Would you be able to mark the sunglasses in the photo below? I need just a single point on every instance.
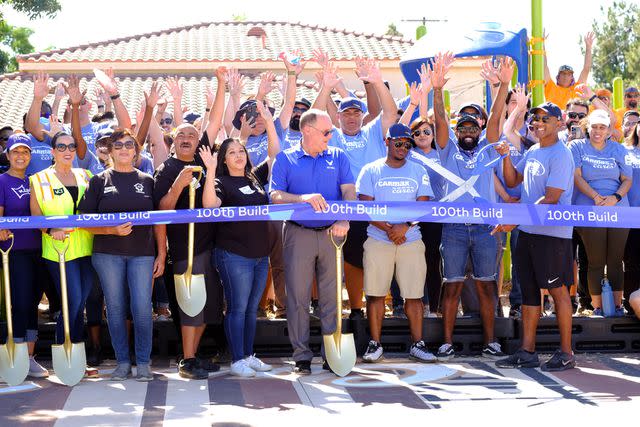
(543, 119)
(578, 116)
(425, 132)
(632, 95)
(468, 129)
(405, 144)
(300, 110)
(129, 145)
(166, 121)
(63, 147)
(325, 133)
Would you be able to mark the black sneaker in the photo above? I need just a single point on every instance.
(560, 361)
(493, 350)
(207, 364)
(515, 311)
(188, 368)
(303, 367)
(356, 314)
(222, 357)
(519, 359)
(445, 352)
(94, 356)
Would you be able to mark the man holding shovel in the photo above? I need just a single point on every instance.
(311, 173)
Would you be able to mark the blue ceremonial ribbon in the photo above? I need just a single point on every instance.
(395, 212)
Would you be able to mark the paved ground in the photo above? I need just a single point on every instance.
(602, 387)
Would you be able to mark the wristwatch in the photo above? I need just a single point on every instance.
(617, 196)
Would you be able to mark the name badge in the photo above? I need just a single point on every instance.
(247, 190)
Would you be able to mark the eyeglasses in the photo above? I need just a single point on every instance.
(632, 95)
(544, 119)
(573, 115)
(405, 144)
(300, 110)
(63, 147)
(166, 121)
(425, 132)
(325, 133)
(468, 129)
(129, 145)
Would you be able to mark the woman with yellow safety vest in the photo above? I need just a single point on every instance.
(57, 190)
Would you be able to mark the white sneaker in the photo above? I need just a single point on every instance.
(36, 370)
(241, 369)
(419, 352)
(256, 364)
(373, 353)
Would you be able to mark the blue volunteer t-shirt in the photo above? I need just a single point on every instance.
(543, 167)
(632, 159)
(425, 160)
(465, 164)
(296, 172)
(516, 156)
(363, 147)
(257, 145)
(288, 138)
(146, 164)
(387, 184)
(41, 157)
(600, 168)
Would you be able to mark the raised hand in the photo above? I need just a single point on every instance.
(267, 84)
(151, 98)
(321, 57)
(73, 90)
(521, 97)
(371, 73)
(330, 76)
(489, 72)
(236, 82)
(40, 85)
(447, 59)
(425, 77)
(264, 112)
(209, 159)
(588, 40)
(439, 73)
(54, 126)
(162, 106)
(505, 70)
(415, 94)
(221, 74)
(174, 87)
(298, 66)
(584, 91)
(60, 92)
(110, 85)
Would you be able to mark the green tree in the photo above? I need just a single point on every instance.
(393, 31)
(616, 52)
(15, 40)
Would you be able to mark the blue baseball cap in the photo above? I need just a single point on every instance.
(467, 118)
(190, 117)
(18, 140)
(550, 108)
(350, 102)
(400, 131)
(631, 89)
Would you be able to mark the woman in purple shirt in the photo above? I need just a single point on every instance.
(26, 267)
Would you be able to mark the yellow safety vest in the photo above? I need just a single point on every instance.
(54, 199)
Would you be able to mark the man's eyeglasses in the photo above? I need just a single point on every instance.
(405, 144)
(166, 121)
(543, 119)
(300, 110)
(425, 132)
(129, 145)
(468, 129)
(632, 95)
(63, 147)
(325, 133)
(573, 115)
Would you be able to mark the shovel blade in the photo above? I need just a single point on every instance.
(14, 365)
(191, 294)
(340, 351)
(69, 367)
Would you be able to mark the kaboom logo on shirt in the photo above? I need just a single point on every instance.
(469, 162)
(600, 162)
(535, 168)
(632, 160)
(398, 185)
(21, 191)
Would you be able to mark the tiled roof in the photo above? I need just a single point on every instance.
(16, 93)
(230, 41)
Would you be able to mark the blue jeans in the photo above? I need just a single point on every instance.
(80, 275)
(243, 280)
(515, 296)
(461, 241)
(117, 273)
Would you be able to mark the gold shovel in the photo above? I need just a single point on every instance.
(69, 359)
(191, 291)
(14, 357)
(339, 348)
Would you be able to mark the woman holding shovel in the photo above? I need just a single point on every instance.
(242, 248)
(26, 268)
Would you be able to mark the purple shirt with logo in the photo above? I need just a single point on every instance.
(14, 197)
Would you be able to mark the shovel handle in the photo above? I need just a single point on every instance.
(7, 289)
(337, 242)
(338, 246)
(10, 246)
(63, 287)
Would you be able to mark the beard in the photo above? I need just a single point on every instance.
(633, 104)
(468, 143)
(294, 123)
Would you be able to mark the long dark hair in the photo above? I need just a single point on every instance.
(223, 170)
(633, 139)
(422, 121)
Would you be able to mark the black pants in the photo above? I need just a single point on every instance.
(580, 254)
(632, 264)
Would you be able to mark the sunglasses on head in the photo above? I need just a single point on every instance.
(63, 147)
(400, 144)
(543, 119)
(578, 116)
(425, 132)
(129, 145)
(166, 121)
(468, 129)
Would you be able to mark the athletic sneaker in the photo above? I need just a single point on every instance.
(240, 368)
(207, 364)
(597, 312)
(419, 352)
(398, 311)
(445, 352)
(493, 350)
(188, 368)
(519, 359)
(256, 364)
(121, 373)
(36, 370)
(560, 361)
(619, 312)
(373, 353)
(143, 373)
(303, 367)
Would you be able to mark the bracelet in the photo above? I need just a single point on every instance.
(291, 73)
(496, 85)
(617, 196)
(207, 109)
(114, 97)
(592, 98)
(48, 231)
(366, 83)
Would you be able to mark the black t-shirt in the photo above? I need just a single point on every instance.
(245, 238)
(177, 235)
(116, 192)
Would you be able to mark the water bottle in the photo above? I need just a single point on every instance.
(608, 307)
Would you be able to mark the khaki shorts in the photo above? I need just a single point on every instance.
(380, 260)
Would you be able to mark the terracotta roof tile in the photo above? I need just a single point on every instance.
(229, 41)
